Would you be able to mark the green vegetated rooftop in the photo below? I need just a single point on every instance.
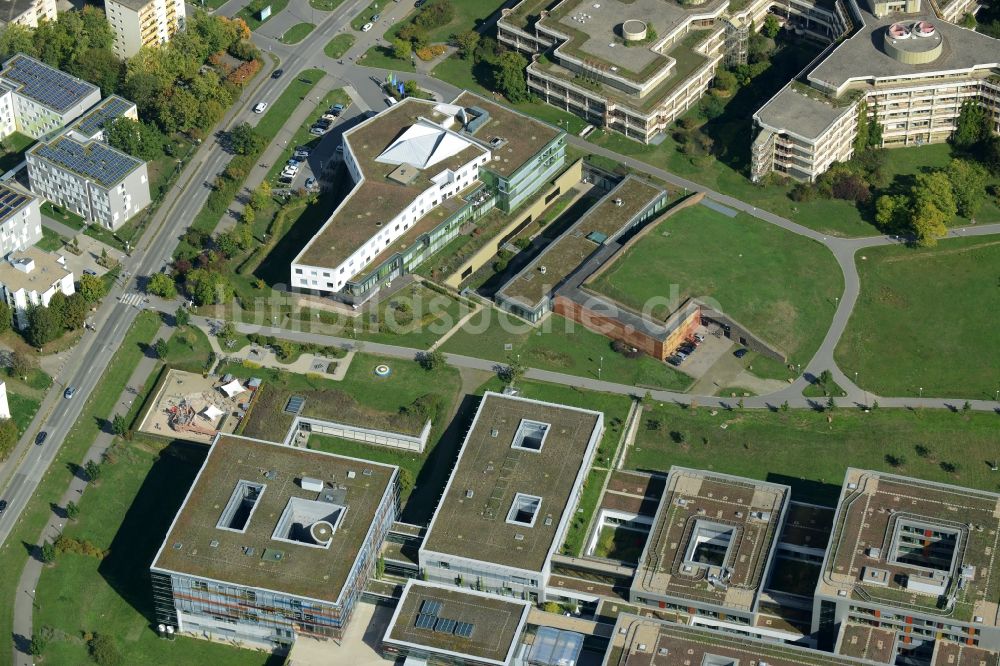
(197, 546)
(782, 286)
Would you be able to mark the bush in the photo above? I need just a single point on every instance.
(803, 192)
(104, 651)
(851, 187)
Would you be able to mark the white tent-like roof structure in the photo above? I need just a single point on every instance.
(423, 145)
(212, 412)
(232, 388)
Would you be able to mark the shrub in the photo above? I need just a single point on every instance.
(803, 192)
(104, 651)
(244, 72)
(851, 187)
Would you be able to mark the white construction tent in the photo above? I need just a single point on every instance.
(233, 388)
(212, 412)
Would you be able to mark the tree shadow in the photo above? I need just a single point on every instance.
(126, 568)
(59, 511)
(77, 470)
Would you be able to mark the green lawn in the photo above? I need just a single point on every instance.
(128, 512)
(252, 17)
(618, 543)
(366, 15)
(297, 33)
(339, 45)
(99, 407)
(560, 345)
(919, 320)
(188, 349)
(382, 57)
(50, 241)
(805, 450)
(13, 150)
(63, 215)
(478, 79)
(782, 286)
(278, 112)
(468, 15)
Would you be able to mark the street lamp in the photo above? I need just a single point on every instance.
(600, 367)
(921, 391)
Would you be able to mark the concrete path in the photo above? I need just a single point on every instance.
(59, 227)
(24, 601)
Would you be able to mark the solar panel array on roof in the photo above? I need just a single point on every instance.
(101, 115)
(430, 607)
(92, 160)
(444, 625)
(464, 629)
(10, 201)
(425, 621)
(295, 404)
(46, 85)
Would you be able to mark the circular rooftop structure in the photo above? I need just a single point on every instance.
(322, 532)
(915, 43)
(634, 30)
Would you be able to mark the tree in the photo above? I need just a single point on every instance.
(44, 324)
(510, 79)
(467, 42)
(711, 107)
(38, 643)
(862, 134)
(260, 196)
(227, 332)
(889, 210)
(401, 49)
(511, 373)
(72, 510)
(74, 312)
(16, 38)
(432, 360)
(933, 206)
(245, 140)
(162, 285)
(831, 404)
(47, 553)
(93, 470)
(895, 460)
(968, 182)
(138, 139)
(724, 80)
(973, 126)
(21, 364)
(91, 288)
(182, 317)
(208, 288)
(6, 317)
(119, 425)
(160, 348)
(928, 224)
(771, 27)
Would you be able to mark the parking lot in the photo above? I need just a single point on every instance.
(713, 347)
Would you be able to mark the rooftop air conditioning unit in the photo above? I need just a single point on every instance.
(311, 484)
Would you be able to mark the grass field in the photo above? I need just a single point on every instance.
(366, 15)
(188, 349)
(918, 322)
(253, 22)
(619, 543)
(52, 485)
(127, 513)
(559, 345)
(805, 450)
(382, 57)
(781, 286)
(468, 15)
(62, 215)
(297, 33)
(50, 241)
(279, 110)
(339, 45)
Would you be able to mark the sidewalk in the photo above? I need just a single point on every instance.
(24, 601)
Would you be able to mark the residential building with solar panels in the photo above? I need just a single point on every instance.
(20, 220)
(511, 495)
(26, 12)
(143, 23)
(92, 124)
(31, 277)
(37, 100)
(90, 178)
(437, 623)
(272, 543)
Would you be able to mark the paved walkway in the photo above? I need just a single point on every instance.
(24, 601)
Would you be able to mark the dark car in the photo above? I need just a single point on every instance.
(40, 437)
(3, 505)
(675, 360)
(741, 352)
(276, 74)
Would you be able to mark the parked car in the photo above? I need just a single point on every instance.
(69, 392)
(419, 3)
(40, 438)
(329, 116)
(700, 337)
(741, 352)
(337, 109)
(675, 360)
(310, 183)
(324, 122)
(300, 154)
(366, 27)
(285, 180)
(376, 17)
(340, 148)
(276, 74)
(259, 107)
(316, 130)
(90, 271)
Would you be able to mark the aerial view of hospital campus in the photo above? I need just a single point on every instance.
(500, 333)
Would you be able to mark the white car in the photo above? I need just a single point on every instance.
(366, 27)
(259, 107)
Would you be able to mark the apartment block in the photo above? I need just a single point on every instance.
(511, 496)
(90, 178)
(710, 549)
(27, 12)
(36, 99)
(30, 278)
(272, 542)
(138, 23)
(910, 572)
(910, 73)
(20, 220)
(421, 171)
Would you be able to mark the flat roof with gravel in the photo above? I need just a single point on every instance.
(516, 450)
(906, 543)
(806, 113)
(712, 539)
(492, 624)
(204, 542)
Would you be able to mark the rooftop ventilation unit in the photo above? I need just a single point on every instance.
(469, 493)
(351, 474)
(311, 484)
(367, 472)
(619, 202)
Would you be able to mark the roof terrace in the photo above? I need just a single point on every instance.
(712, 539)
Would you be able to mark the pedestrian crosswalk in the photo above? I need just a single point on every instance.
(132, 298)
